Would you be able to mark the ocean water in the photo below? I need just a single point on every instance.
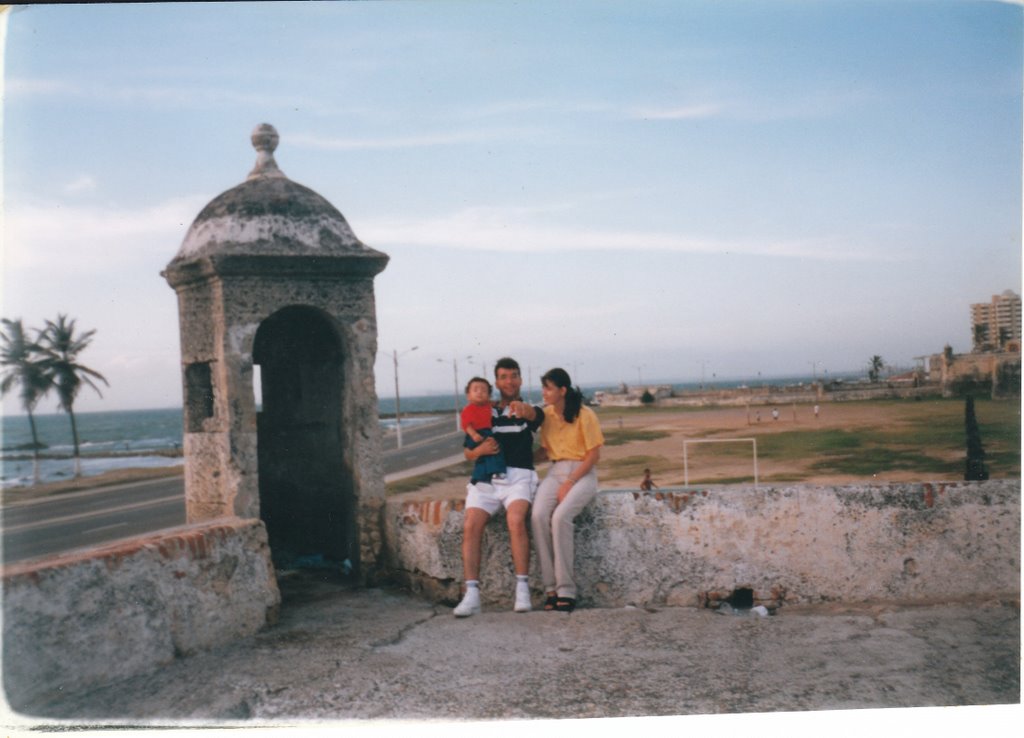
(122, 439)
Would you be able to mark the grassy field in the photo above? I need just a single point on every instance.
(894, 440)
(880, 441)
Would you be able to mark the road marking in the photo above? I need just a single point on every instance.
(432, 466)
(425, 442)
(104, 527)
(95, 514)
(60, 497)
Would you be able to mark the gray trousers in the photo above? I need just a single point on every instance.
(553, 528)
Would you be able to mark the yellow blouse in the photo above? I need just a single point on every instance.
(570, 441)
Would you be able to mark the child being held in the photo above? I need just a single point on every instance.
(476, 422)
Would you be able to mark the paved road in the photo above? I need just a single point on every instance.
(421, 445)
(80, 519)
(413, 434)
(86, 518)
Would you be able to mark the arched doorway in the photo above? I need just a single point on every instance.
(305, 479)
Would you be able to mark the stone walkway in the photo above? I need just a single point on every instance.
(340, 654)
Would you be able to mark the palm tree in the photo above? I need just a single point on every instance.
(875, 367)
(61, 348)
(22, 367)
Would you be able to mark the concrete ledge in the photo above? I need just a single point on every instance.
(119, 610)
(692, 547)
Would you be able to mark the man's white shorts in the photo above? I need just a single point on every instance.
(519, 484)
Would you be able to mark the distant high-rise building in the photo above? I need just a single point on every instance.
(995, 326)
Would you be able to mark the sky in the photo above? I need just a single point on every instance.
(638, 192)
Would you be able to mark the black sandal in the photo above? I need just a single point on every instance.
(551, 603)
(565, 604)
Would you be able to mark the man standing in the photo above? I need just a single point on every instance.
(513, 424)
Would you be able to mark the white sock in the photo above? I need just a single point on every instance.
(470, 602)
(522, 601)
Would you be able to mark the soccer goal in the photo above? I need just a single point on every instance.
(686, 457)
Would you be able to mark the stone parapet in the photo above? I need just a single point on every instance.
(697, 546)
(106, 613)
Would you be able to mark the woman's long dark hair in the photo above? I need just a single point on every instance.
(573, 395)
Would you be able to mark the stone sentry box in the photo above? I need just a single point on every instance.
(271, 281)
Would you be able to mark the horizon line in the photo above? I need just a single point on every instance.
(449, 393)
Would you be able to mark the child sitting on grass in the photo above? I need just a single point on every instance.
(476, 422)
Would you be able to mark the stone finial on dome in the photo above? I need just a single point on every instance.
(264, 140)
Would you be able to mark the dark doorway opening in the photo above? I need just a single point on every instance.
(305, 479)
(742, 598)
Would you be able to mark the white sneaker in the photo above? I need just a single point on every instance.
(522, 598)
(470, 604)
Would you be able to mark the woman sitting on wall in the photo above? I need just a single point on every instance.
(571, 438)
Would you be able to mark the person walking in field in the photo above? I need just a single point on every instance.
(571, 439)
(647, 482)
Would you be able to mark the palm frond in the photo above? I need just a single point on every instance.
(22, 364)
(60, 347)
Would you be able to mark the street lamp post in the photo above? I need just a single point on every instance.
(398, 404)
(455, 376)
(529, 382)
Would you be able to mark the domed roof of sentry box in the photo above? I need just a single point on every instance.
(270, 215)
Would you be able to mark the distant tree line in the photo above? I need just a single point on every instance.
(44, 361)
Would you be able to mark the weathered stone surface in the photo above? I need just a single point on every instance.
(907, 542)
(207, 493)
(111, 612)
(342, 654)
(270, 277)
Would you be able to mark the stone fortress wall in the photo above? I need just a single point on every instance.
(96, 615)
(693, 547)
(124, 609)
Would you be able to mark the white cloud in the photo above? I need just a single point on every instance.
(510, 230)
(81, 184)
(514, 107)
(76, 238)
(22, 86)
(453, 138)
(184, 96)
(815, 105)
(686, 112)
